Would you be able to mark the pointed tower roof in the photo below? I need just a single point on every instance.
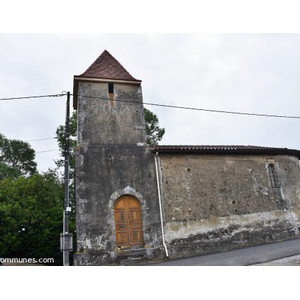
(107, 67)
(104, 69)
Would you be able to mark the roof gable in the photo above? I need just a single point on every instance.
(107, 67)
(104, 69)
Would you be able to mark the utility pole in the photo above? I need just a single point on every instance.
(66, 239)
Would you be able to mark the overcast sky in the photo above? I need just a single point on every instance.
(255, 73)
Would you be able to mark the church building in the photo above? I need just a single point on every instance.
(138, 203)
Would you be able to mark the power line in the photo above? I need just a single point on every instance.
(224, 111)
(195, 109)
(161, 105)
(33, 97)
(41, 139)
(48, 151)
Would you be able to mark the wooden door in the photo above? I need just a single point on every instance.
(128, 223)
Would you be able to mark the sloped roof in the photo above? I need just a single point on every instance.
(107, 67)
(224, 150)
(104, 68)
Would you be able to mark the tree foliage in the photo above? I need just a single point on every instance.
(31, 205)
(31, 210)
(16, 158)
(153, 132)
(60, 133)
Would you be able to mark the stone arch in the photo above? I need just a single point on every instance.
(126, 191)
(123, 192)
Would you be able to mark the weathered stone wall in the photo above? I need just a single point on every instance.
(218, 202)
(112, 160)
(102, 120)
(103, 175)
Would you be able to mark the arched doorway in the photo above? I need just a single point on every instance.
(128, 222)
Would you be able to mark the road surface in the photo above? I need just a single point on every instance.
(255, 255)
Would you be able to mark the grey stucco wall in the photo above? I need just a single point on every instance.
(104, 174)
(104, 121)
(219, 202)
(112, 160)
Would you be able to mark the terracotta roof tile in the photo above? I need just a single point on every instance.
(107, 67)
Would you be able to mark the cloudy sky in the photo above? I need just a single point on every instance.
(237, 57)
(232, 67)
(253, 73)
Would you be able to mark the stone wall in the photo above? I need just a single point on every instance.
(219, 202)
(112, 160)
(102, 120)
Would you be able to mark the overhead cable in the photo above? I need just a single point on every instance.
(48, 151)
(161, 105)
(33, 97)
(196, 109)
(41, 139)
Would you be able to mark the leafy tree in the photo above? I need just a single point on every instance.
(31, 210)
(16, 158)
(60, 133)
(153, 132)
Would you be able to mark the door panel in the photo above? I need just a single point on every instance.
(128, 223)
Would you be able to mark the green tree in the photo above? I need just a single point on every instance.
(16, 158)
(60, 133)
(31, 210)
(153, 132)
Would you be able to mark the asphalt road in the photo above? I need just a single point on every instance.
(240, 257)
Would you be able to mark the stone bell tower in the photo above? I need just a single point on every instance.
(116, 194)
(110, 102)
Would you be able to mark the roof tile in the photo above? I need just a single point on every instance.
(107, 67)
(224, 150)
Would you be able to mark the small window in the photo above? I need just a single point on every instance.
(110, 88)
(273, 178)
(111, 94)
